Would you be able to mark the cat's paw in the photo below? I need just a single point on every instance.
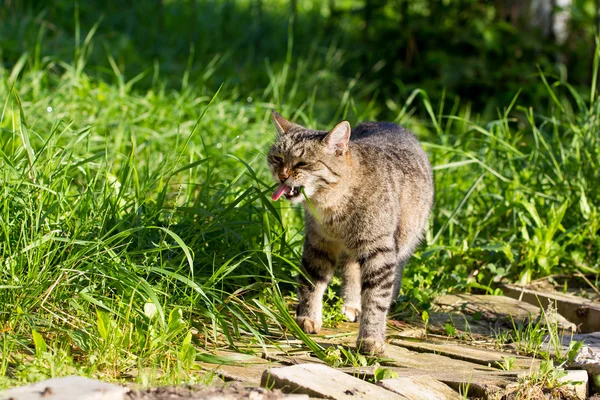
(351, 313)
(370, 346)
(309, 325)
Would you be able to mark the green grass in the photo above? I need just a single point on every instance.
(137, 234)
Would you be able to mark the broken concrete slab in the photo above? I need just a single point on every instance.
(497, 308)
(475, 355)
(420, 388)
(478, 384)
(464, 325)
(321, 381)
(470, 378)
(67, 388)
(401, 357)
(368, 373)
(584, 313)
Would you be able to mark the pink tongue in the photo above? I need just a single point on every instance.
(281, 189)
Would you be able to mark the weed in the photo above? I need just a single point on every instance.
(507, 363)
(529, 337)
(341, 356)
(546, 382)
(425, 319)
(463, 389)
(332, 305)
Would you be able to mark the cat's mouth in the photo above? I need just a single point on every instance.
(290, 192)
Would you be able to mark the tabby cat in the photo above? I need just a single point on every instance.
(369, 199)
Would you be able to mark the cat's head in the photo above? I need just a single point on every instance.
(307, 160)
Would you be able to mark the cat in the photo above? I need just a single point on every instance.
(369, 195)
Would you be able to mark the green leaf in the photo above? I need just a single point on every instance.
(187, 353)
(384, 373)
(103, 324)
(176, 323)
(39, 343)
(150, 310)
(450, 329)
(181, 243)
(225, 360)
(574, 348)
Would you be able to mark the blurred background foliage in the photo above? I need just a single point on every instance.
(481, 52)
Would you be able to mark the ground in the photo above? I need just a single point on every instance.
(230, 391)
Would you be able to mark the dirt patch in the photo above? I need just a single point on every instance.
(230, 391)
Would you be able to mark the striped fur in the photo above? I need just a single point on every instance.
(372, 192)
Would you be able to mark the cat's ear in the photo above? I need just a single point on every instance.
(337, 139)
(281, 124)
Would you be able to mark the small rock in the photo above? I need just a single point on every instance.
(578, 382)
(588, 357)
(589, 360)
(67, 388)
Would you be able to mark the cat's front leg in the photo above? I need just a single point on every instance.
(378, 271)
(350, 270)
(318, 263)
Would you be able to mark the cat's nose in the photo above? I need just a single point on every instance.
(284, 174)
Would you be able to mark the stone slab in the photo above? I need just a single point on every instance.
(465, 325)
(321, 381)
(402, 329)
(475, 355)
(498, 308)
(582, 312)
(477, 386)
(401, 357)
(420, 388)
(67, 388)
(485, 385)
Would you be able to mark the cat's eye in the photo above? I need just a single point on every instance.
(277, 159)
(300, 164)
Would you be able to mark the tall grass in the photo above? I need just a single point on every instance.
(137, 234)
(128, 229)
